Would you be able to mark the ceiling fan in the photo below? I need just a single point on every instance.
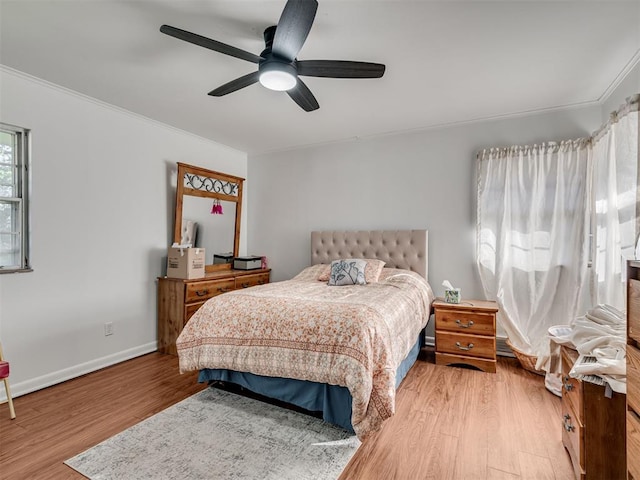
(278, 67)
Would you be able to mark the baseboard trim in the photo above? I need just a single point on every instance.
(53, 378)
(502, 349)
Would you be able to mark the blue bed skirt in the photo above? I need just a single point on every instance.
(333, 401)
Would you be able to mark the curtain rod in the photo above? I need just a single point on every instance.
(545, 146)
(632, 105)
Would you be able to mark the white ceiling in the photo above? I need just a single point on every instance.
(447, 61)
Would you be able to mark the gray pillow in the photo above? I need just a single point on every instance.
(348, 271)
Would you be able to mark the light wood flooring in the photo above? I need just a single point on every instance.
(450, 423)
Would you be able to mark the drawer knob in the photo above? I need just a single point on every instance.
(462, 325)
(468, 347)
(245, 285)
(223, 290)
(567, 423)
(567, 385)
(202, 293)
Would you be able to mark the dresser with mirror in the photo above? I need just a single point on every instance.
(197, 191)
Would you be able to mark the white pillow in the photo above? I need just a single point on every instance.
(371, 272)
(348, 271)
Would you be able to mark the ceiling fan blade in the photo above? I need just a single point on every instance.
(236, 84)
(210, 44)
(303, 97)
(293, 27)
(340, 69)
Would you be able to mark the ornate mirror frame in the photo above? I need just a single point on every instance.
(201, 182)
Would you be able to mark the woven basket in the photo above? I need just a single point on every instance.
(528, 362)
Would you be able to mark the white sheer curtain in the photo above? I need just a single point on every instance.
(532, 245)
(538, 206)
(615, 179)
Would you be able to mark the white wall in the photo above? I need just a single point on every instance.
(417, 180)
(102, 218)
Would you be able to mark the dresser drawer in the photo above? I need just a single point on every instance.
(633, 377)
(463, 344)
(571, 394)
(571, 387)
(190, 309)
(633, 444)
(200, 291)
(246, 281)
(466, 322)
(573, 438)
(633, 309)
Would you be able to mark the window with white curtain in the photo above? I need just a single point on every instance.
(14, 199)
(532, 226)
(548, 212)
(614, 204)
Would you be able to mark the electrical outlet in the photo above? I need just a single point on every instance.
(108, 328)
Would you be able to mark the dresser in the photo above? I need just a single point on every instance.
(179, 299)
(466, 333)
(633, 369)
(593, 425)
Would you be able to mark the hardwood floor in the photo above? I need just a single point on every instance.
(59, 422)
(450, 423)
(457, 423)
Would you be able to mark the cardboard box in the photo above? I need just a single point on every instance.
(247, 263)
(185, 263)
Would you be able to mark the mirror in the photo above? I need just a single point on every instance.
(197, 191)
(215, 233)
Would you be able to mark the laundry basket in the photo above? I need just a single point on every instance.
(528, 362)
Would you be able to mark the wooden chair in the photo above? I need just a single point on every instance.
(4, 375)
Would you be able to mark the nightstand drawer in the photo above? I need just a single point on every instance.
(469, 345)
(199, 291)
(246, 281)
(466, 322)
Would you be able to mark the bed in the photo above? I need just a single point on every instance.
(339, 350)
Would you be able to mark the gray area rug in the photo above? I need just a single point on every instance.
(216, 434)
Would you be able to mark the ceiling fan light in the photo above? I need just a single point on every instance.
(278, 80)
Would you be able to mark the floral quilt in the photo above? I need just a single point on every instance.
(355, 336)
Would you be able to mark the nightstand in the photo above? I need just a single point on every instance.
(466, 333)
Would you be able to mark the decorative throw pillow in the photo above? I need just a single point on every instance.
(371, 272)
(347, 272)
(324, 273)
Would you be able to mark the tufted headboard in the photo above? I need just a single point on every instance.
(405, 249)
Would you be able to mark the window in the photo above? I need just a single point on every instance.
(14, 199)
